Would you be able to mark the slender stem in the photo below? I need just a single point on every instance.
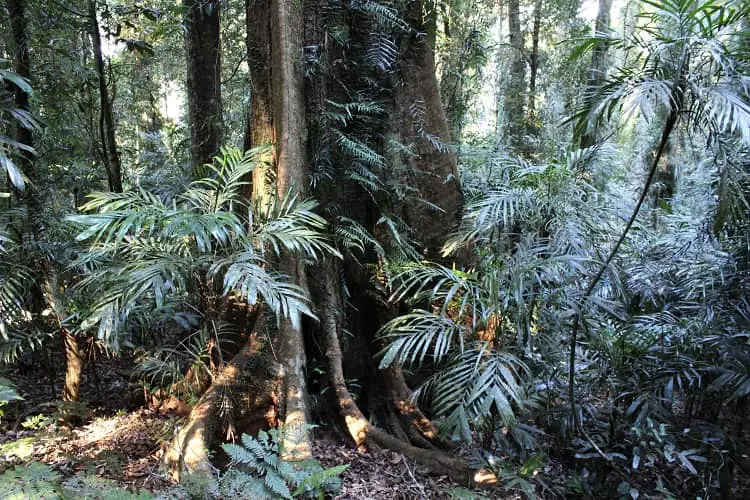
(677, 99)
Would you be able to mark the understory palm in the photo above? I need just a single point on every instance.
(171, 262)
(488, 333)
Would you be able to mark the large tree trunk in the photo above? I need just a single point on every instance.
(598, 69)
(248, 377)
(291, 134)
(203, 53)
(260, 129)
(284, 105)
(106, 118)
(358, 426)
(421, 123)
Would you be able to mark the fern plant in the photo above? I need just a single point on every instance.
(35, 480)
(257, 470)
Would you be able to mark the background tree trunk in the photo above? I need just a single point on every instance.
(516, 91)
(203, 52)
(598, 69)
(422, 124)
(17, 14)
(534, 60)
(106, 118)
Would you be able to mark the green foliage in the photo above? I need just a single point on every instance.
(35, 480)
(90, 487)
(165, 368)
(38, 480)
(487, 329)
(695, 46)
(36, 422)
(459, 493)
(72, 412)
(9, 117)
(258, 471)
(8, 393)
(19, 449)
(661, 363)
(525, 480)
(148, 253)
(15, 280)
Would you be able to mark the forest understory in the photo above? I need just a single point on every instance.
(113, 435)
(375, 249)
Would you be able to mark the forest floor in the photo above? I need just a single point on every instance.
(116, 437)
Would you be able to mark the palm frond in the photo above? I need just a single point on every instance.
(418, 336)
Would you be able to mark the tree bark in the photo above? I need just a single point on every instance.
(17, 14)
(260, 128)
(421, 123)
(106, 118)
(248, 375)
(30, 195)
(534, 59)
(291, 135)
(516, 91)
(74, 360)
(74, 357)
(73, 366)
(358, 426)
(203, 54)
(597, 70)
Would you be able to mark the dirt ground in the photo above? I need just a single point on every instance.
(114, 436)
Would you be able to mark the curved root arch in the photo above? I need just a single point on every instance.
(254, 378)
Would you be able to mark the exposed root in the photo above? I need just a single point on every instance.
(360, 429)
(420, 429)
(258, 377)
(296, 444)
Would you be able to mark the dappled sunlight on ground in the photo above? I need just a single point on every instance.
(126, 447)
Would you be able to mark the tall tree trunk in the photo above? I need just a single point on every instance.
(73, 367)
(74, 357)
(48, 291)
(421, 122)
(246, 378)
(260, 129)
(598, 69)
(106, 118)
(290, 103)
(203, 53)
(534, 59)
(29, 196)
(516, 91)
(290, 133)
